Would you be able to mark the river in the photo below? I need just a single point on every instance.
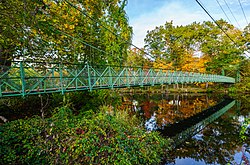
(205, 129)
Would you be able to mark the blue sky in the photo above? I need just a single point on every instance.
(145, 15)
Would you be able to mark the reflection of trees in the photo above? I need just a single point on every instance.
(169, 108)
(245, 103)
(173, 111)
(165, 113)
(220, 141)
(148, 108)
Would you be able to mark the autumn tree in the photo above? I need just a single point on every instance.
(16, 18)
(223, 48)
(172, 44)
(64, 31)
(218, 48)
(137, 58)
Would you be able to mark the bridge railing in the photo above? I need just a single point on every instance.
(25, 78)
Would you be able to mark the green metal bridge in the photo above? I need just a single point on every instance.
(27, 78)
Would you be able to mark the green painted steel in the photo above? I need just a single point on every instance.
(26, 78)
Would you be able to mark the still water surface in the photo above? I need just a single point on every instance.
(205, 128)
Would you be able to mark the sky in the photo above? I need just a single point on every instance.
(145, 15)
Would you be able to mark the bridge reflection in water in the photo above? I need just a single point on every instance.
(204, 129)
(187, 128)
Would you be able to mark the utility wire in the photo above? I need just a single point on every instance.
(215, 21)
(203, 5)
(243, 11)
(232, 13)
(96, 21)
(224, 11)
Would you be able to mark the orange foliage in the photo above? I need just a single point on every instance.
(147, 107)
(195, 64)
(161, 64)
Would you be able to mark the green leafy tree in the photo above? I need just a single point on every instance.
(137, 58)
(224, 52)
(178, 44)
(64, 31)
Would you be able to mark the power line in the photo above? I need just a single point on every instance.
(232, 13)
(97, 21)
(243, 11)
(223, 11)
(215, 21)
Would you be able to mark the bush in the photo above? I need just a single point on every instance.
(92, 138)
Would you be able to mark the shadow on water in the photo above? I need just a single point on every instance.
(205, 129)
(186, 128)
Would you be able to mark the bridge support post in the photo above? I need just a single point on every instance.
(110, 78)
(140, 79)
(127, 77)
(89, 77)
(61, 78)
(238, 76)
(76, 78)
(152, 75)
(223, 72)
(22, 74)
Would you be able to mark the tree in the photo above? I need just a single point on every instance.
(223, 51)
(15, 19)
(178, 45)
(137, 58)
(64, 31)
(173, 44)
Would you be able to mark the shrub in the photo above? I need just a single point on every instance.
(90, 138)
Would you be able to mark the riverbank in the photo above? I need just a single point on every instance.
(173, 88)
(106, 137)
(164, 89)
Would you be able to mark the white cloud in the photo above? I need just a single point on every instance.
(175, 11)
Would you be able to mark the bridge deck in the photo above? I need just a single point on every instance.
(31, 78)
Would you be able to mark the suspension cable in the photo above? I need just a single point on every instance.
(215, 21)
(97, 21)
(223, 11)
(232, 13)
(243, 12)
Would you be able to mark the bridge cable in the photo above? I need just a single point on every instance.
(223, 11)
(232, 13)
(96, 21)
(215, 21)
(82, 41)
(243, 12)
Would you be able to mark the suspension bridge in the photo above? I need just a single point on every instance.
(27, 78)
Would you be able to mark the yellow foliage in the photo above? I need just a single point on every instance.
(159, 63)
(195, 64)
(66, 26)
(63, 15)
(71, 27)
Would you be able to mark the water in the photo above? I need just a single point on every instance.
(201, 133)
